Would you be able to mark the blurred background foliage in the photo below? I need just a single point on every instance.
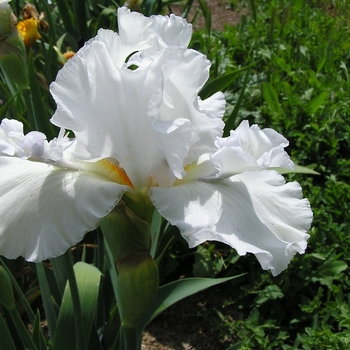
(284, 66)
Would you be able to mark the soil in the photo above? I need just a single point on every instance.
(192, 323)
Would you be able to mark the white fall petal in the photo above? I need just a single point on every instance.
(45, 210)
(253, 212)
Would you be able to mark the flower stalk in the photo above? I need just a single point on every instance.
(128, 237)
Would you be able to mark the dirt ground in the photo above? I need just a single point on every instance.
(188, 324)
(222, 13)
(185, 325)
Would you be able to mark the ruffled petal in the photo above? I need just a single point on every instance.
(134, 29)
(45, 210)
(206, 116)
(253, 212)
(171, 30)
(152, 33)
(118, 49)
(33, 144)
(250, 148)
(174, 140)
(167, 122)
(107, 109)
(177, 107)
(11, 131)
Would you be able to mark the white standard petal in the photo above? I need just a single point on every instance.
(188, 126)
(107, 109)
(172, 30)
(153, 33)
(46, 210)
(134, 29)
(183, 86)
(118, 49)
(254, 212)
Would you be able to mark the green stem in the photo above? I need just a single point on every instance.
(131, 338)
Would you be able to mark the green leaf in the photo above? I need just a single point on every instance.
(332, 268)
(221, 83)
(106, 13)
(316, 103)
(175, 291)
(298, 169)
(20, 295)
(36, 331)
(4, 109)
(111, 269)
(88, 281)
(237, 346)
(231, 120)
(23, 333)
(60, 273)
(149, 6)
(46, 297)
(7, 298)
(271, 98)
(5, 336)
(80, 18)
(271, 292)
(207, 17)
(22, 330)
(156, 224)
(66, 17)
(206, 263)
(42, 118)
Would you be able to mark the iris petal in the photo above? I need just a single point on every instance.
(250, 148)
(110, 118)
(45, 210)
(253, 212)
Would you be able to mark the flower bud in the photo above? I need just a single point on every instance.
(122, 229)
(7, 19)
(12, 50)
(137, 285)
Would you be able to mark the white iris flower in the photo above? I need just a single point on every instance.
(141, 131)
